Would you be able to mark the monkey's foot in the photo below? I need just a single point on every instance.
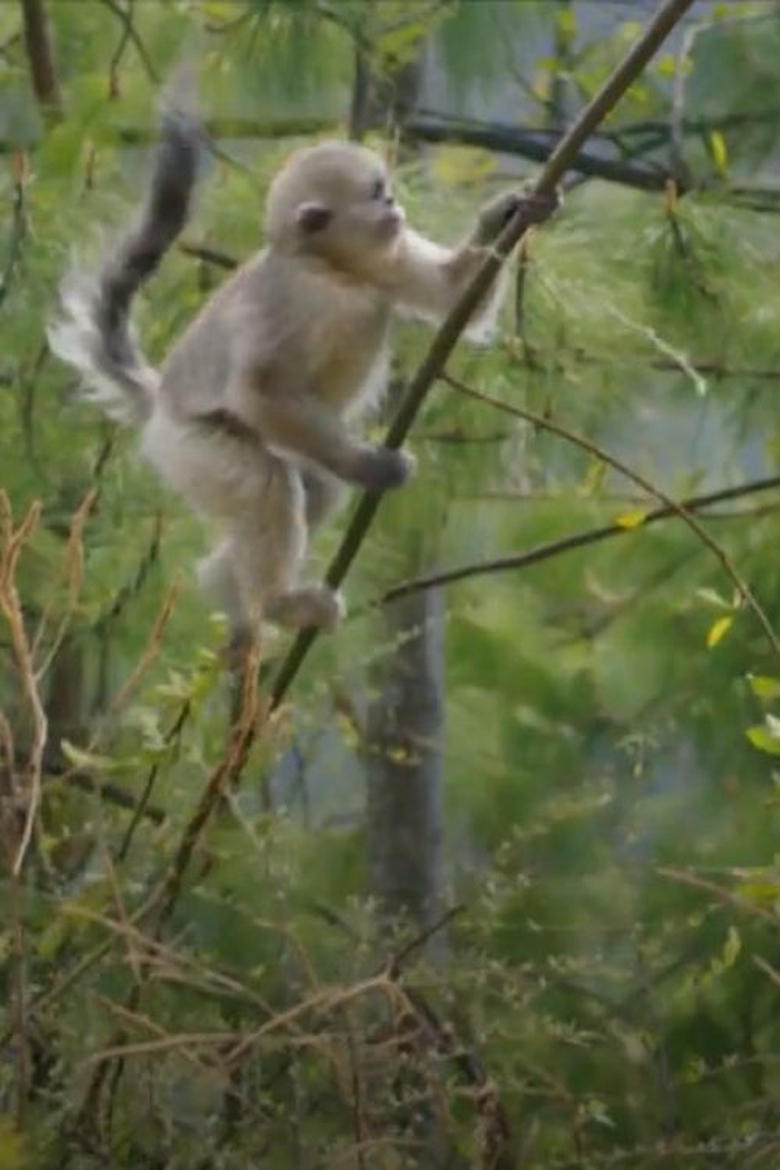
(380, 468)
(310, 605)
(234, 654)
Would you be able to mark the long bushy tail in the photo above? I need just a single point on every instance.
(94, 332)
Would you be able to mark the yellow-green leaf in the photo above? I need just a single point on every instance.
(763, 686)
(632, 519)
(772, 724)
(400, 43)
(88, 761)
(666, 66)
(463, 165)
(630, 30)
(764, 892)
(718, 151)
(762, 738)
(718, 630)
(732, 947)
(712, 597)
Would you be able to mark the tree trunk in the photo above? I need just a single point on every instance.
(404, 764)
(37, 40)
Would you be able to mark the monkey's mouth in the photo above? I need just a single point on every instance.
(392, 221)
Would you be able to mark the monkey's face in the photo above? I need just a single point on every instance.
(340, 200)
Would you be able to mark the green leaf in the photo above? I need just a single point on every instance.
(732, 947)
(712, 597)
(462, 165)
(666, 66)
(630, 30)
(566, 20)
(400, 44)
(763, 739)
(761, 892)
(764, 686)
(87, 761)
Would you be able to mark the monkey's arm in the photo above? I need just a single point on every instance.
(427, 279)
(296, 423)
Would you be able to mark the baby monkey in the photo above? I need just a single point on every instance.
(249, 417)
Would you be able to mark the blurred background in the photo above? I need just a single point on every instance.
(497, 885)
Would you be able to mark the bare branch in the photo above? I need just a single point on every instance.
(536, 145)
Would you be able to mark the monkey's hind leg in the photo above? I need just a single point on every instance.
(218, 581)
(323, 494)
(266, 551)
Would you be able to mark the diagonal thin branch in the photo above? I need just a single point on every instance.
(667, 16)
(553, 548)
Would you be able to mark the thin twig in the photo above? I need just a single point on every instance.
(126, 19)
(143, 807)
(73, 571)
(132, 588)
(242, 735)
(113, 794)
(679, 509)
(725, 897)
(113, 65)
(150, 651)
(209, 255)
(397, 961)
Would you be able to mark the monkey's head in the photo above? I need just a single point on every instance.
(334, 200)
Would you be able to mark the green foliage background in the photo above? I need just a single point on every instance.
(611, 828)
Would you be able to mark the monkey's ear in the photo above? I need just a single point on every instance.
(312, 217)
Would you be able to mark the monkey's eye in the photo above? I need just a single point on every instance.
(378, 189)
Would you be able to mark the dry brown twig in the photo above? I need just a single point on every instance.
(150, 651)
(110, 1062)
(326, 1001)
(12, 541)
(252, 714)
(73, 572)
(144, 1023)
